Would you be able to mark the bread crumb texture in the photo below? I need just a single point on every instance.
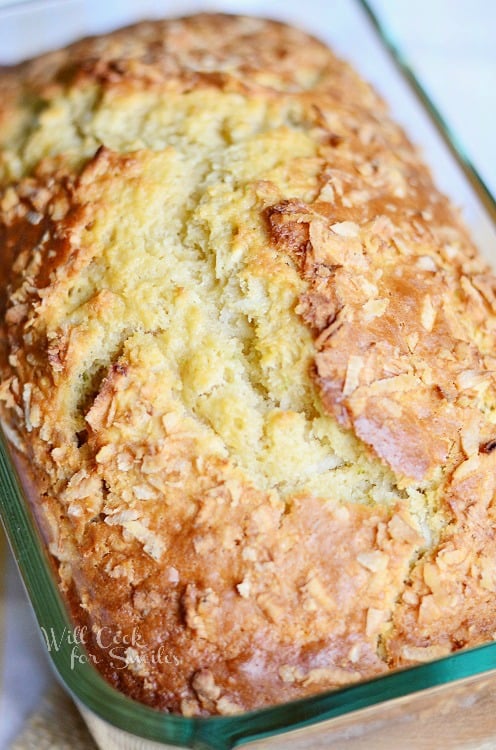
(248, 351)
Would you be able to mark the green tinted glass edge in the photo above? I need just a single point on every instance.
(88, 687)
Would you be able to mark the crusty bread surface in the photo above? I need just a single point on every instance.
(248, 352)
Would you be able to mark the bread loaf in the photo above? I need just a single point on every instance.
(248, 353)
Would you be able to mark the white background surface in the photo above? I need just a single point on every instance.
(452, 45)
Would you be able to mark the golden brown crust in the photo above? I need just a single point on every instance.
(212, 48)
(393, 351)
(248, 352)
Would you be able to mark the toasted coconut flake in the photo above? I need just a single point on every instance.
(427, 314)
(144, 492)
(373, 561)
(470, 437)
(204, 685)
(470, 466)
(26, 397)
(244, 588)
(402, 531)
(105, 453)
(410, 597)
(424, 653)
(426, 263)
(470, 379)
(375, 620)
(383, 226)
(228, 707)
(173, 575)
(316, 589)
(330, 676)
(355, 366)
(398, 383)
(125, 461)
(374, 308)
(152, 545)
(354, 653)
(346, 229)
(327, 193)
(290, 674)
(121, 517)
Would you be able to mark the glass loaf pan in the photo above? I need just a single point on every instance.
(450, 702)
